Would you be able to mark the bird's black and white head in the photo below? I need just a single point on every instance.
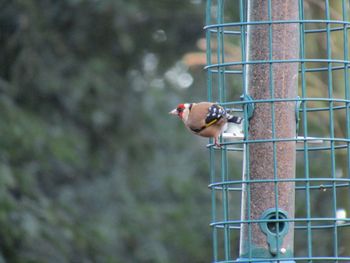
(182, 110)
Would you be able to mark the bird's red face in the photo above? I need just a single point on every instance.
(178, 111)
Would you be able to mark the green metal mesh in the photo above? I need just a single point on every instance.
(320, 224)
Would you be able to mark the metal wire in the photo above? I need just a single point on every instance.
(318, 236)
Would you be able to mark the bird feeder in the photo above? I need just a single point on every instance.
(280, 187)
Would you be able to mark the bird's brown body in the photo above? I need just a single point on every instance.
(206, 119)
(196, 120)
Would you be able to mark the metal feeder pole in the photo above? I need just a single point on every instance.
(270, 160)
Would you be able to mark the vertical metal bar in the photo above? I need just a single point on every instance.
(221, 86)
(273, 118)
(245, 207)
(262, 159)
(305, 130)
(208, 54)
(211, 150)
(220, 49)
(331, 128)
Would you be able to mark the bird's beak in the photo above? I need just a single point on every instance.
(173, 112)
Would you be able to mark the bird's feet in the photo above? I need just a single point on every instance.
(217, 143)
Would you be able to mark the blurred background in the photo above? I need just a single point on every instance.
(92, 168)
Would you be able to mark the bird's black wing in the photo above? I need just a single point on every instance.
(215, 113)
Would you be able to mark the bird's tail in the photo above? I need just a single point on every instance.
(234, 119)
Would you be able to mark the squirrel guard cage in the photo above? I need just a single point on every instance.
(280, 190)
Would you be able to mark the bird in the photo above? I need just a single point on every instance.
(206, 119)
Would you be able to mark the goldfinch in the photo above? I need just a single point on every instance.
(205, 119)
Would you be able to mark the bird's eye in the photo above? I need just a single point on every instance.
(179, 109)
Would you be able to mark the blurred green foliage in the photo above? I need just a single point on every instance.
(92, 168)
